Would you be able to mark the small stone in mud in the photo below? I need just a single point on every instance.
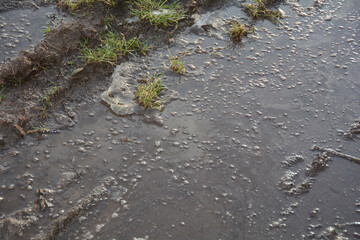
(192, 67)
(114, 215)
(81, 149)
(79, 141)
(35, 160)
(157, 143)
(99, 227)
(174, 131)
(314, 212)
(328, 18)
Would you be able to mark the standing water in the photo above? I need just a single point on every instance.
(228, 158)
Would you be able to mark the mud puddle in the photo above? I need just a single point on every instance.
(227, 151)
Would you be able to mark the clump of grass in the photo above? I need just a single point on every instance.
(237, 31)
(2, 95)
(74, 5)
(112, 46)
(259, 10)
(158, 13)
(147, 94)
(176, 64)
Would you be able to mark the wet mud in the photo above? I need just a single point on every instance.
(231, 157)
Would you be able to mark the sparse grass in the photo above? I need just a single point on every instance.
(41, 129)
(43, 111)
(75, 5)
(45, 68)
(112, 46)
(259, 10)
(17, 81)
(147, 94)
(176, 64)
(46, 99)
(237, 31)
(2, 95)
(49, 27)
(158, 13)
(108, 20)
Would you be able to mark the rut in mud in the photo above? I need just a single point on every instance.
(231, 155)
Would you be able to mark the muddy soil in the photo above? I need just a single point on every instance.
(228, 158)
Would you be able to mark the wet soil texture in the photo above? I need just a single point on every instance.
(229, 158)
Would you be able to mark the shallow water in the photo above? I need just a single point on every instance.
(21, 29)
(212, 171)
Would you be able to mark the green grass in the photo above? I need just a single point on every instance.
(176, 64)
(259, 10)
(108, 20)
(158, 13)
(75, 5)
(2, 95)
(49, 27)
(46, 99)
(147, 94)
(111, 47)
(237, 31)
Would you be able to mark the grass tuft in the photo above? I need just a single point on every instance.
(2, 95)
(147, 94)
(237, 31)
(176, 64)
(158, 13)
(112, 46)
(259, 10)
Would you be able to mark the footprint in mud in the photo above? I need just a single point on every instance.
(287, 181)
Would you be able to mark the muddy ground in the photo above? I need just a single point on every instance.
(228, 158)
(51, 62)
